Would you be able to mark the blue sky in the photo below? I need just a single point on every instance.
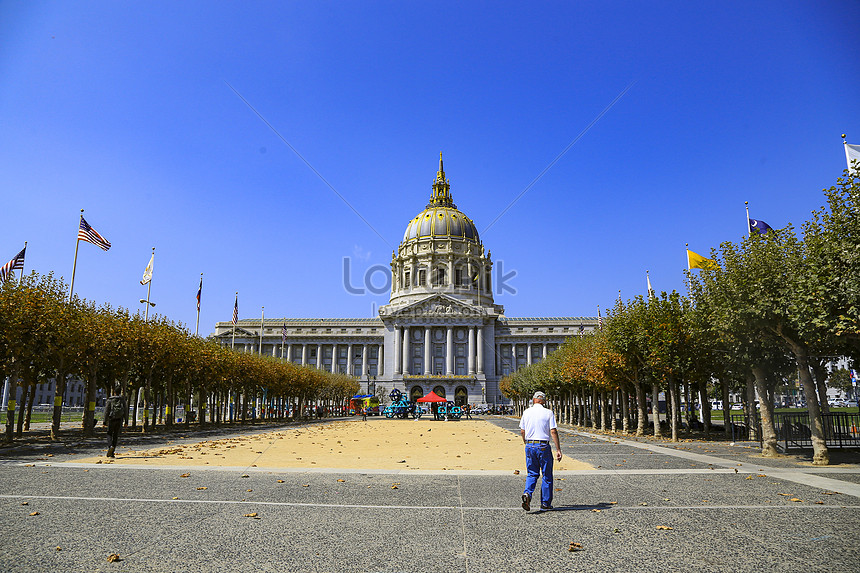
(125, 110)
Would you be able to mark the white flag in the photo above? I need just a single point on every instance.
(852, 153)
(147, 273)
(650, 290)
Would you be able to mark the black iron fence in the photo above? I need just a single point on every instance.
(841, 429)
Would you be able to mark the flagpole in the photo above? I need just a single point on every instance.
(197, 326)
(687, 245)
(233, 343)
(148, 290)
(747, 205)
(21, 279)
(75, 264)
(262, 318)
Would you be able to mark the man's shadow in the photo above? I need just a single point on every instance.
(602, 505)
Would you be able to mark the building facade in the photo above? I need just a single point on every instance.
(441, 329)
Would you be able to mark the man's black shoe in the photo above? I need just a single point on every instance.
(527, 500)
(545, 507)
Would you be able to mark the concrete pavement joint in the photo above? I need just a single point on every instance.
(457, 508)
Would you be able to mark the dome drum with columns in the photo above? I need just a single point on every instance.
(441, 330)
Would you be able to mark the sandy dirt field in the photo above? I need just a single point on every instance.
(377, 444)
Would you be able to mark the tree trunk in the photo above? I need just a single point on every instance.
(749, 407)
(688, 408)
(820, 374)
(30, 401)
(820, 454)
(11, 402)
(147, 402)
(614, 410)
(727, 416)
(768, 431)
(26, 391)
(672, 409)
(89, 417)
(595, 410)
(655, 409)
(642, 407)
(706, 407)
(625, 411)
(57, 414)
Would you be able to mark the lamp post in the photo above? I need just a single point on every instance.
(148, 304)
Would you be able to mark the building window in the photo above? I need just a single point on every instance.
(439, 277)
(407, 279)
(439, 350)
(458, 277)
(422, 277)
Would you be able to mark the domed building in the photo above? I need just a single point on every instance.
(441, 329)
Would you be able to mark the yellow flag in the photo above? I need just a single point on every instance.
(697, 261)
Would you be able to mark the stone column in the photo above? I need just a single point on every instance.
(470, 357)
(319, 357)
(364, 361)
(480, 349)
(407, 359)
(398, 351)
(304, 354)
(350, 367)
(379, 361)
(529, 353)
(449, 352)
(275, 351)
(544, 351)
(428, 353)
(498, 359)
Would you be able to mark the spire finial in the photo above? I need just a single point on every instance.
(441, 196)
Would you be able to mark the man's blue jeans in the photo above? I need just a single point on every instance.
(539, 460)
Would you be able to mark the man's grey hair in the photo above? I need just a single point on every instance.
(539, 395)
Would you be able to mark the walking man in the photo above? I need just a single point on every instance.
(537, 425)
(116, 413)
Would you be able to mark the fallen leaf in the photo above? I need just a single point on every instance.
(664, 528)
(280, 481)
(113, 557)
(25, 503)
(749, 477)
(249, 490)
(59, 548)
(244, 475)
(596, 510)
(340, 480)
(34, 513)
(516, 472)
(306, 485)
(795, 499)
(250, 515)
(394, 487)
(204, 487)
(575, 546)
(185, 475)
(175, 498)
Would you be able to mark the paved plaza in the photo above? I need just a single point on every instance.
(646, 506)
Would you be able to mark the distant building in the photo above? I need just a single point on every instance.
(440, 331)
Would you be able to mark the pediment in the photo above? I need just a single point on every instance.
(438, 305)
(240, 332)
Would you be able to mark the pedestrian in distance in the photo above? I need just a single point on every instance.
(537, 426)
(116, 414)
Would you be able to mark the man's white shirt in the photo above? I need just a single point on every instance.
(537, 421)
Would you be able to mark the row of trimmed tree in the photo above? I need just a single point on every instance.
(43, 338)
(771, 307)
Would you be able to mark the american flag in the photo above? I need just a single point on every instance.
(90, 235)
(284, 332)
(236, 310)
(17, 263)
(199, 292)
(599, 319)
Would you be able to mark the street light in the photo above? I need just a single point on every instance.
(146, 314)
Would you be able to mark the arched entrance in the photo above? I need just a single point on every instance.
(415, 393)
(439, 391)
(461, 396)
